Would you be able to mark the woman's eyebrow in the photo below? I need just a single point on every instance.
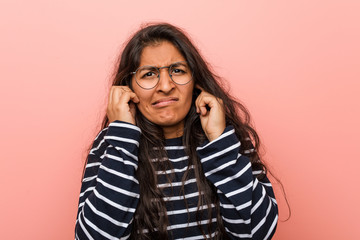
(182, 62)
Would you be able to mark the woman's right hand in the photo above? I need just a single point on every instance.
(121, 105)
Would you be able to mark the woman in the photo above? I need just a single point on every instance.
(174, 159)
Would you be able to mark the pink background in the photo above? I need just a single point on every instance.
(295, 64)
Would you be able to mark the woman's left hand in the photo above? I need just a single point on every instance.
(212, 114)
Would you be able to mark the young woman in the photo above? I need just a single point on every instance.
(177, 157)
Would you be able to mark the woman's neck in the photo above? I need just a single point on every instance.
(173, 131)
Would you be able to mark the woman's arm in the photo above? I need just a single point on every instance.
(248, 206)
(110, 191)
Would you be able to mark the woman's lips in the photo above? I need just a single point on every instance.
(164, 101)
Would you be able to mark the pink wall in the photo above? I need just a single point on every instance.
(295, 65)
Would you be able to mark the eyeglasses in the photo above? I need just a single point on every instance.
(147, 77)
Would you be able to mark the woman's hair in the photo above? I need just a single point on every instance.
(151, 210)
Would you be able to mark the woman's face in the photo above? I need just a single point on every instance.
(167, 103)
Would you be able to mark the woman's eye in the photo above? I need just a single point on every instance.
(177, 71)
(149, 75)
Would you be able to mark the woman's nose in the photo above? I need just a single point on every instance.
(165, 82)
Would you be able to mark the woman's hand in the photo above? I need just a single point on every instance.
(121, 105)
(212, 114)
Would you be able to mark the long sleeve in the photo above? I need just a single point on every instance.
(248, 206)
(110, 191)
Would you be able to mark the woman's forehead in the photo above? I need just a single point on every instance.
(160, 54)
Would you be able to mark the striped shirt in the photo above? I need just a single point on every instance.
(110, 190)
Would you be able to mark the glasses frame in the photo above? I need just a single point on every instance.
(158, 69)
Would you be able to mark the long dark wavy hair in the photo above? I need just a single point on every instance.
(151, 215)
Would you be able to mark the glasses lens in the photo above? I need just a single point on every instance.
(180, 73)
(147, 77)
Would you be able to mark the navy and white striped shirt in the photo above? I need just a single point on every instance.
(110, 190)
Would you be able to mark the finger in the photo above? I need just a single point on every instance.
(204, 103)
(128, 97)
(197, 102)
(123, 94)
(116, 94)
(124, 88)
(198, 87)
(201, 103)
(208, 102)
(134, 98)
(124, 97)
(203, 111)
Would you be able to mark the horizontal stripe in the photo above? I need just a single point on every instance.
(243, 189)
(107, 217)
(236, 221)
(191, 224)
(180, 159)
(176, 184)
(200, 236)
(87, 190)
(126, 152)
(125, 125)
(89, 165)
(227, 206)
(249, 151)
(126, 162)
(258, 172)
(174, 160)
(88, 179)
(120, 139)
(159, 160)
(98, 146)
(173, 198)
(238, 208)
(129, 177)
(226, 150)
(97, 229)
(184, 225)
(174, 147)
(193, 209)
(117, 189)
(174, 170)
(228, 133)
(171, 148)
(243, 206)
(114, 204)
(228, 179)
(221, 167)
(239, 235)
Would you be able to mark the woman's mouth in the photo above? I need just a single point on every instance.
(164, 101)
